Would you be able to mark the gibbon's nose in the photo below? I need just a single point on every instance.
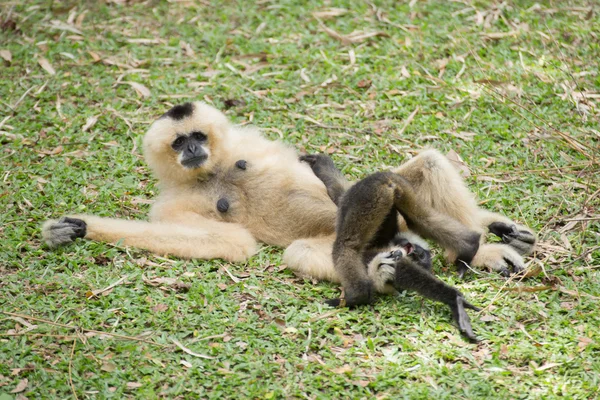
(192, 148)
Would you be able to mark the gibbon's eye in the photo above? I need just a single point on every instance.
(177, 143)
(199, 136)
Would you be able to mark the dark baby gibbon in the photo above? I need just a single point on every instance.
(223, 188)
(370, 254)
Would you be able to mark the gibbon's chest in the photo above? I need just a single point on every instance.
(265, 192)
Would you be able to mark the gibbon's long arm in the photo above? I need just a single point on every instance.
(410, 276)
(199, 238)
(324, 168)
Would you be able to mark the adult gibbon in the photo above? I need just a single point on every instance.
(225, 187)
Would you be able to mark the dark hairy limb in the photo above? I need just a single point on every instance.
(324, 168)
(410, 276)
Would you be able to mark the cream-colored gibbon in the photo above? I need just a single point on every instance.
(224, 188)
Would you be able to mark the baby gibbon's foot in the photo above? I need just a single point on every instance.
(518, 237)
(357, 294)
(63, 231)
(500, 258)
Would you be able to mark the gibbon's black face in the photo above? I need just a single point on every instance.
(417, 253)
(191, 149)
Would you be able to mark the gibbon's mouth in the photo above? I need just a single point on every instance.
(409, 248)
(194, 162)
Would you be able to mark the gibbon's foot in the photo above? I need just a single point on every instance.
(63, 231)
(518, 237)
(358, 294)
(317, 159)
(499, 257)
(462, 318)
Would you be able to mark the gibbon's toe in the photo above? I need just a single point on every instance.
(500, 258)
(519, 237)
(63, 231)
(308, 158)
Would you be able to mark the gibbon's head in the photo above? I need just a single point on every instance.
(185, 143)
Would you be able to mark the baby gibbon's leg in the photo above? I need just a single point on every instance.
(311, 258)
(200, 238)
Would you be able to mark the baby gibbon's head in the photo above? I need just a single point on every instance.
(184, 144)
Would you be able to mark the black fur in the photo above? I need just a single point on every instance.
(367, 220)
(78, 226)
(324, 168)
(223, 205)
(179, 112)
(191, 148)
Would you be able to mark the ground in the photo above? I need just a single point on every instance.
(511, 88)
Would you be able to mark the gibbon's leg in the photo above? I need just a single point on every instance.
(437, 183)
(199, 238)
(324, 168)
(519, 237)
(311, 258)
(430, 223)
(365, 213)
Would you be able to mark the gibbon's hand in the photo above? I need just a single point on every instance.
(357, 294)
(518, 237)
(64, 231)
(317, 160)
(462, 318)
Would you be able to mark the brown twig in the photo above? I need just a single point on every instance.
(77, 328)
(71, 368)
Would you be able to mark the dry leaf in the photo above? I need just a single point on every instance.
(527, 289)
(46, 65)
(187, 49)
(21, 386)
(188, 351)
(6, 54)
(141, 89)
(342, 370)
(458, 163)
(329, 13)
(108, 367)
(160, 308)
(584, 342)
(89, 123)
(548, 366)
(94, 56)
(133, 385)
(498, 35)
(365, 83)
(354, 37)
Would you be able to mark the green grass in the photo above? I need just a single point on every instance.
(513, 107)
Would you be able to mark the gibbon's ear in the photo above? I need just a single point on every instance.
(184, 119)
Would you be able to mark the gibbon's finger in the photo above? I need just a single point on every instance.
(63, 231)
(470, 306)
(519, 237)
(308, 158)
(336, 303)
(462, 319)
